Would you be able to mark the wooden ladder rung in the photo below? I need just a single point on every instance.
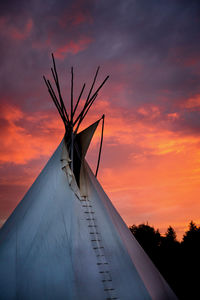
(85, 200)
(104, 280)
(98, 248)
(103, 271)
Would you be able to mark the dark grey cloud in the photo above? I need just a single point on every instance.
(150, 49)
(159, 35)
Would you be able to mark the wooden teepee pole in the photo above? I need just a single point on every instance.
(72, 134)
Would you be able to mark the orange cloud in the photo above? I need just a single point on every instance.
(20, 145)
(151, 111)
(150, 172)
(157, 178)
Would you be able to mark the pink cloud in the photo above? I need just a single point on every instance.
(192, 103)
(79, 18)
(173, 116)
(14, 32)
(72, 47)
(75, 19)
(2, 22)
(75, 15)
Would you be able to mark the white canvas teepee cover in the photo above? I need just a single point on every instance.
(59, 244)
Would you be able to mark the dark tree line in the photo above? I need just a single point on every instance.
(178, 262)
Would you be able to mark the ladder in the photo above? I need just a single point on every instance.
(98, 248)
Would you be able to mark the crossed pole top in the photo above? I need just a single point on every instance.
(69, 120)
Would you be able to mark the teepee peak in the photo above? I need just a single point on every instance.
(70, 120)
(76, 143)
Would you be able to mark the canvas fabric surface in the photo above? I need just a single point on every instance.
(48, 250)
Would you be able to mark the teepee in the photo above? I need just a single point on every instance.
(65, 240)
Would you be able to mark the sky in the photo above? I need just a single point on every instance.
(150, 166)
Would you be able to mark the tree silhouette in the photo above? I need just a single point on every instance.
(192, 236)
(148, 238)
(178, 262)
(190, 247)
(170, 234)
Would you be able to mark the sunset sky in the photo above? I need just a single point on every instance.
(150, 165)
